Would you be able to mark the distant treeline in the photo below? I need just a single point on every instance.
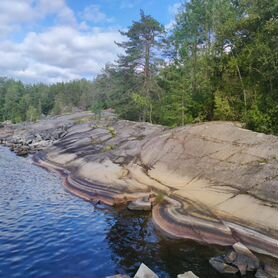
(20, 102)
(219, 61)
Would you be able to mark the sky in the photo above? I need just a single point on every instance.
(60, 40)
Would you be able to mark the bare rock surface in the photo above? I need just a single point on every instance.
(188, 274)
(219, 182)
(145, 272)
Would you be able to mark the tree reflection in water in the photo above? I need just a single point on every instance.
(133, 239)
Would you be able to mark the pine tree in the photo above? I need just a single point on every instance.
(142, 58)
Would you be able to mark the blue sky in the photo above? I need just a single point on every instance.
(60, 40)
(124, 11)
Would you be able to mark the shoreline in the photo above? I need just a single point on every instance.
(166, 217)
(216, 181)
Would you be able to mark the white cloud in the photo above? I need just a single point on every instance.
(60, 53)
(16, 14)
(94, 14)
(173, 10)
(128, 4)
(70, 49)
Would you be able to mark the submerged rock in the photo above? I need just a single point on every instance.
(145, 272)
(118, 276)
(188, 274)
(219, 264)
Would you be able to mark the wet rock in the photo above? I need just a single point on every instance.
(140, 204)
(145, 272)
(219, 264)
(118, 276)
(22, 150)
(262, 274)
(245, 259)
(272, 269)
(230, 257)
(188, 274)
(242, 264)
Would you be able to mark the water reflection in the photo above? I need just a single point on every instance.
(133, 239)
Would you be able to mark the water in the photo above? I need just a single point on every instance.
(47, 232)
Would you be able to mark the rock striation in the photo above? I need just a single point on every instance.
(215, 182)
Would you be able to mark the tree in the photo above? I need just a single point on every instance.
(142, 58)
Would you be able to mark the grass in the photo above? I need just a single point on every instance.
(112, 131)
(108, 148)
(159, 198)
(83, 120)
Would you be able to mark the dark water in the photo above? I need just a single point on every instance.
(47, 232)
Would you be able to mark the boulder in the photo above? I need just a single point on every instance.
(140, 204)
(219, 264)
(230, 257)
(272, 270)
(38, 137)
(261, 274)
(145, 272)
(242, 249)
(22, 150)
(188, 274)
(245, 259)
(242, 264)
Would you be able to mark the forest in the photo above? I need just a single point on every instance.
(218, 61)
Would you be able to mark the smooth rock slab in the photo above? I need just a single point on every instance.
(188, 274)
(145, 272)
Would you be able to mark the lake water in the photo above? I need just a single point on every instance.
(47, 232)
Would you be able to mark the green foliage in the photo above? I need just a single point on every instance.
(97, 108)
(108, 148)
(219, 62)
(159, 198)
(32, 114)
(21, 102)
(112, 131)
(257, 120)
(223, 109)
(141, 60)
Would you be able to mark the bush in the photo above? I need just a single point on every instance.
(257, 120)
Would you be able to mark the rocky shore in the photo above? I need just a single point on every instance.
(215, 183)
